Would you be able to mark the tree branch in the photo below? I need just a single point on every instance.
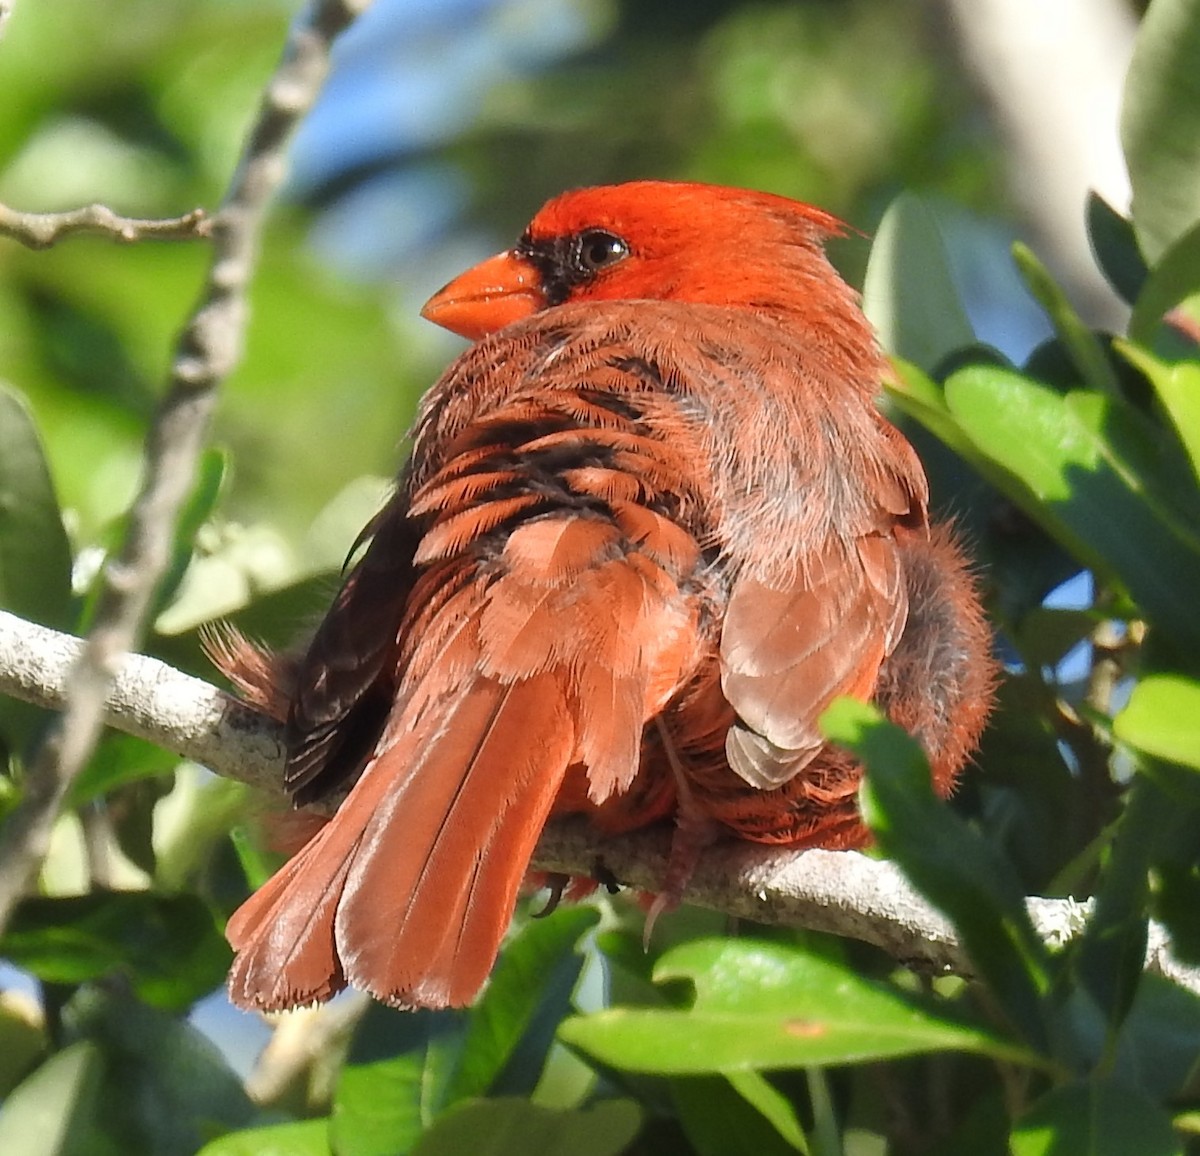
(41, 230)
(841, 892)
(209, 348)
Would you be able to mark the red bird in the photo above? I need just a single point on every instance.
(652, 524)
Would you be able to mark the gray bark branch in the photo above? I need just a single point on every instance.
(841, 892)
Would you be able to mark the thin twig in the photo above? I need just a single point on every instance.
(41, 230)
(208, 350)
(836, 891)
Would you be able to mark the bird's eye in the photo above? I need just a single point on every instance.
(597, 249)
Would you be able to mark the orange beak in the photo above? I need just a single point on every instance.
(493, 294)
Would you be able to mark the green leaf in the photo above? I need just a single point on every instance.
(1178, 388)
(50, 1112)
(1162, 718)
(395, 1080)
(515, 1127)
(767, 1005)
(23, 1039)
(909, 292)
(185, 1092)
(538, 962)
(720, 1121)
(119, 760)
(1160, 124)
(1114, 243)
(303, 1138)
(951, 865)
(210, 476)
(1174, 278)
(35, 555)
(1109, 958)
(1095, 1118)
(167, 947)
(1082, 344)
(1092, 471)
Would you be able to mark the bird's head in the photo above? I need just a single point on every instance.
(650, 240)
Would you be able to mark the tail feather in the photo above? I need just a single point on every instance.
(408, 893)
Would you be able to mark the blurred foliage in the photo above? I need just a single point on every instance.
(1080, 463)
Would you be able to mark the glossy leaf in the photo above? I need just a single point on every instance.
(1160, 124)
(909, 292)
(515, 1127)
(1087, 468)
(961, 874)
(1095, 1118)
(539, 962)
(1162, 718)
(760, 1006)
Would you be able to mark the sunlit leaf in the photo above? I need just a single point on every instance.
(761, 1006)
(1162, 718)
(1087, 468)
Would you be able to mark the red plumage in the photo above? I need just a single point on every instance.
(652, 524)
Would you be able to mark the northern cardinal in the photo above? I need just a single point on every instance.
(651, 525)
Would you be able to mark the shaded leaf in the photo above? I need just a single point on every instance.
(909, 292)
(1085, 348)
(539, 962)
(1178, 388)
(185, 1090)
(1115, 246)
(1160, 124)
(952, 866)
(166, 946)
(515, 1127)
(35, 555)
(395, 1079)
(1095, 1118)
(760, 1006)
(720, 1121)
